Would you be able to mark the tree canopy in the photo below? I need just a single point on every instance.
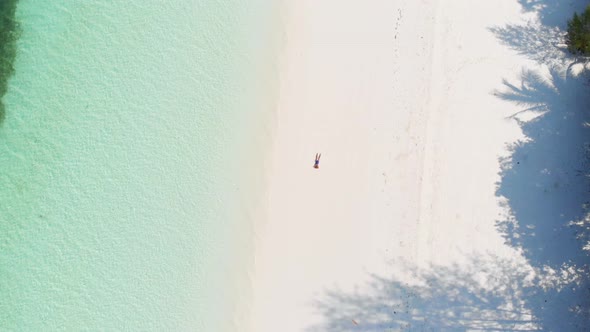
(578, 33)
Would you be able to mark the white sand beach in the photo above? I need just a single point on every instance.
(398, 228)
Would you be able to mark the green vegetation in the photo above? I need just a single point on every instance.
(578, 33)
(9, 33)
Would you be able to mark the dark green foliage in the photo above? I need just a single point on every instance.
(9, 33)
(578, 33)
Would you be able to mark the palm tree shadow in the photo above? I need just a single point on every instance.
(553, 12)
(538, 42)
(545, 181)
(487, 293)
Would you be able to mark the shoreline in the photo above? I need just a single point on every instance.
(257, 130)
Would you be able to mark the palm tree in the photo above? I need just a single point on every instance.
(578, 33)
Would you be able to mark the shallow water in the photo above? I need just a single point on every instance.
(119, 190)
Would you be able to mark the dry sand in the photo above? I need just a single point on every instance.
(398, 96)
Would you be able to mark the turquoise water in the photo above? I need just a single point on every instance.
(128, 162)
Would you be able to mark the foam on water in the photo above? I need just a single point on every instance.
(122, 171)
